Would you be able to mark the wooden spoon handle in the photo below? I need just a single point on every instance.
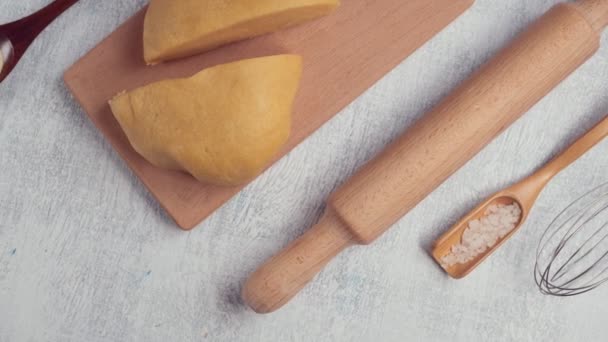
(576, 150)
(283, 276)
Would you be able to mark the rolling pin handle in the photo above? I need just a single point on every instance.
(595, 11)
(283, 276)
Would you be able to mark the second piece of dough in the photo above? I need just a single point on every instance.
(222, 125)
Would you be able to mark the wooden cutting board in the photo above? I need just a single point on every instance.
(344, 54)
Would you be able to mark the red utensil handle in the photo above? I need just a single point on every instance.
(22, 32)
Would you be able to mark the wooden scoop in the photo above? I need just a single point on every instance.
(524, 194)
(435, 147)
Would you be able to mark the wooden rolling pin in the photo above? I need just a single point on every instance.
(435, 147)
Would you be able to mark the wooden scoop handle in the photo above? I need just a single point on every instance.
(575, 151)
(287, 273)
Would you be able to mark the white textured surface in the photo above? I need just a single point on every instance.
(87, 255)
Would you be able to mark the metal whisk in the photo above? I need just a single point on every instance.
(572, 256)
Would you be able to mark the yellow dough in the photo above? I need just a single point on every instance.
(222, 125)
(181, 28)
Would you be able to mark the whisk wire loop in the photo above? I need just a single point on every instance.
(572, 255)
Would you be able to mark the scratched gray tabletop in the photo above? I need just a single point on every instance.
(87, 255)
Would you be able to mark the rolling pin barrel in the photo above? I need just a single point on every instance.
(436, 146)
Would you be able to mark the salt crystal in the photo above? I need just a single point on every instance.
(484, 233)
(475, 224)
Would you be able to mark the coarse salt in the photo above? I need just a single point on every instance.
(480, 235)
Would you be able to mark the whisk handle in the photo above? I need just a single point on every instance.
(576, 150)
